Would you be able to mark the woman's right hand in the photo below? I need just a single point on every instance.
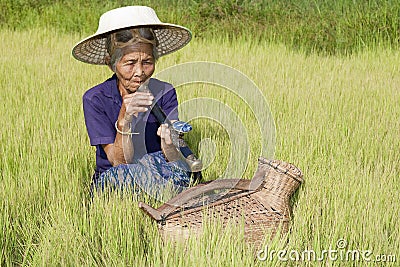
(135, 103)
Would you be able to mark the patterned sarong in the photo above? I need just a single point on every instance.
(151, 174)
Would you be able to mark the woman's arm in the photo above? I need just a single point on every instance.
(122, 150)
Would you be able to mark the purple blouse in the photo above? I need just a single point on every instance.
(101, 106)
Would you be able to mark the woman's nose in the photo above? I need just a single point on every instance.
(138, 70)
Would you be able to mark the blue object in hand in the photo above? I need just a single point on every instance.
(182, 127)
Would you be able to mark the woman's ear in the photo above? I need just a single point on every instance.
(107, 59)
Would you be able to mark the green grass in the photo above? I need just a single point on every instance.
(326, 27)
(337, 119)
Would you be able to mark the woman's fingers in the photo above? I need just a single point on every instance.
(137, 102)
(139, 99)
(165, 134)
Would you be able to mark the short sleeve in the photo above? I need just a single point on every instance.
(99, 126)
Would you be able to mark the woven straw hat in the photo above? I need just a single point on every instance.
(170, 37)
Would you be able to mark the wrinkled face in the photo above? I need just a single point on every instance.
(135, 66)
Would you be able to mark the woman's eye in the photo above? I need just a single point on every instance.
(130, 62)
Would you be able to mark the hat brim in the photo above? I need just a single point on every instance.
(170, 38)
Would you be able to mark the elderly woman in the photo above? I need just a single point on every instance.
(132, 148)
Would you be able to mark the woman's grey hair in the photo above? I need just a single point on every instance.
(116, 41)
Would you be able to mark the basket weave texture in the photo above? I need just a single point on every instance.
(261, 204)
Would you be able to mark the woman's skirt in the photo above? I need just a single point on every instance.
(151, 174)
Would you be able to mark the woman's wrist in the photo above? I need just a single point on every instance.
(124, 127)
(128, 118)
(124, 124)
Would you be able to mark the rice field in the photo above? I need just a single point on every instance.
(336, 118)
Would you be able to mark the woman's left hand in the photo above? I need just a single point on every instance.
(165, 134)
(167, 147)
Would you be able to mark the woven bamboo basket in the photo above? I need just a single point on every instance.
(262, 204)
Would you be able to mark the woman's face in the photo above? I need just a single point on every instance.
(136, 66)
